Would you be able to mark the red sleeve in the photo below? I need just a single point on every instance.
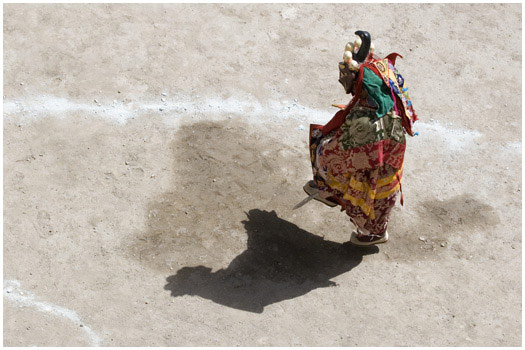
(335, 123)
(340, 116)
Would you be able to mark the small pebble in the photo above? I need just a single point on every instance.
(81, 325)
(442, 244)
(163, 99)
(95, 100)
(152, 175)
(295, 100)
(164, 94)
(422, 239)
(118, 91)
(214, 180)
(21, 83)
(161, 109)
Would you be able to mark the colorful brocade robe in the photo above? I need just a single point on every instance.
(348, 162)
(357, 158)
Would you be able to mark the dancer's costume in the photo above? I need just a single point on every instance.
(357, 158)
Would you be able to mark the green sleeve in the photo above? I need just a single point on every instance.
(379, 92)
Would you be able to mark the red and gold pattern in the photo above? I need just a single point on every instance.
(363, 180)
(357, 161)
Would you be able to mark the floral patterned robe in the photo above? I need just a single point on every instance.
(359, 165)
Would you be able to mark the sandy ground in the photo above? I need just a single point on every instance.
(153, 155)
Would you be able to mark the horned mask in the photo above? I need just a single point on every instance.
(355, 54)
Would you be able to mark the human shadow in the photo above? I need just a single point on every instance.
(281, 262)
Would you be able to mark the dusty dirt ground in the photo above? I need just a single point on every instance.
(153, 155)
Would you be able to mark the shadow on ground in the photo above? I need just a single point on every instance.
(281, 262)
(205, 235)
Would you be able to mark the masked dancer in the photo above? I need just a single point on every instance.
(357, 158)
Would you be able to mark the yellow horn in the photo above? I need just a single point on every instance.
(347, 56)
(353, 65)
(357, 43)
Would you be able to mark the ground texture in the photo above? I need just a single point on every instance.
(153, 155)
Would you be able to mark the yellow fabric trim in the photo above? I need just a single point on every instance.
(364, 187)
(360, 186)
(333, 183)
(385, 194)
(360, 202)
(385, 181)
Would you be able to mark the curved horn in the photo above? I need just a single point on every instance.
(361, 55)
